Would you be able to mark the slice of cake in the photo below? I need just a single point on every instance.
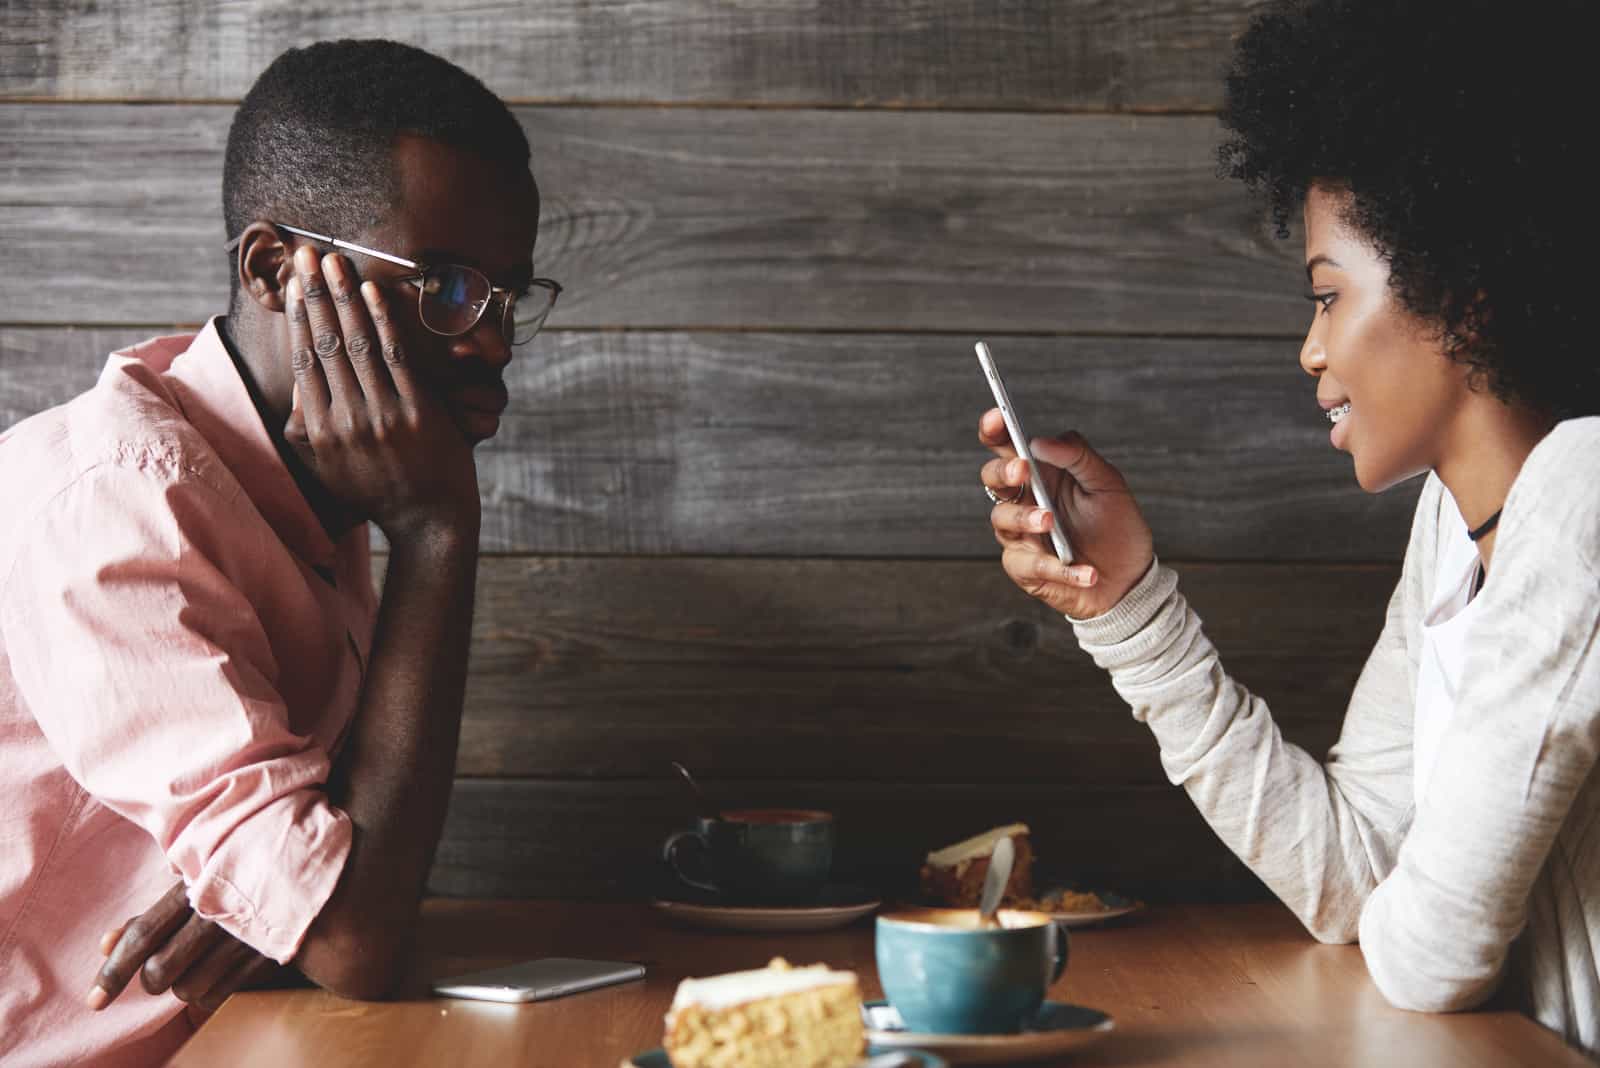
(954, 875)
(774, 1017)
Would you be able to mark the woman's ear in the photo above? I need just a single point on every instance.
(264, 265)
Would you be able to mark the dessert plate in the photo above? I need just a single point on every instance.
(1058, 1028)
(1113, 905)
(920, 1058)
(839, 905)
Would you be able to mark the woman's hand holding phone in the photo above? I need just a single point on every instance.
(1108, 532)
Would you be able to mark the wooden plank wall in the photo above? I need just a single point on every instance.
(733, 517)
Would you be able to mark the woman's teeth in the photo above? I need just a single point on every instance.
(1336, 414)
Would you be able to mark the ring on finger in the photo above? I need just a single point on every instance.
(997, 499)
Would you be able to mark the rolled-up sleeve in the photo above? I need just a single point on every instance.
(148, 670)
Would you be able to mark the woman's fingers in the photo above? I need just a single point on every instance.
(1072, 455)
(1035, 571)
(992, 432)
(1020, 519)
(361, 344)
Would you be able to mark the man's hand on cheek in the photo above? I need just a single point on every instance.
(170, 948)
(378, 440)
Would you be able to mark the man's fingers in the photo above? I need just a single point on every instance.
(137, 940)
(310, 385)
(245, 975)
(210, 970)
(361, 344)
(109, 940)
(327, 342)
(396, 361)
(193, 941)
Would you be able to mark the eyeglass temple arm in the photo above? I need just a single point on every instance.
(336, 243)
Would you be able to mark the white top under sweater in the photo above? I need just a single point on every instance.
(1444, 643)
(1493, 876)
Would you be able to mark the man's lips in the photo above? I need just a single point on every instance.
(491, 399)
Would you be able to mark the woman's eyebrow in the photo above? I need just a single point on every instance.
(1317, 261)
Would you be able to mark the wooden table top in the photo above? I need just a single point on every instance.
(1186, 985)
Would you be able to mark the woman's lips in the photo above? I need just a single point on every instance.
(1339, 416)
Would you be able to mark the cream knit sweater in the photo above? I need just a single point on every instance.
(1495, 878)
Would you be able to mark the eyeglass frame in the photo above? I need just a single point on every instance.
(508, 298)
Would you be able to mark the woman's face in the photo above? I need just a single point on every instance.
(1380, 371)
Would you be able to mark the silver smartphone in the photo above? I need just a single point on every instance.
(1019, 445)
(538, 980)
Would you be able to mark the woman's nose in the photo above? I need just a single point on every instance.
(1313, 355)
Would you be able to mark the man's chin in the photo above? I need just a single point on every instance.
(477, 425)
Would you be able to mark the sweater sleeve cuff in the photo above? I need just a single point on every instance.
(1133, 613)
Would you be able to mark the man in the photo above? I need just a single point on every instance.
(195, 677)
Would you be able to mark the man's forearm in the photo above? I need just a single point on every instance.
(393, 780)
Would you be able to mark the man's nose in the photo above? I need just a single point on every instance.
(486, 342)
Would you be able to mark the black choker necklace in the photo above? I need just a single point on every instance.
(1488, 525)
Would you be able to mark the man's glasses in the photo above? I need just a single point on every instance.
(452, 297)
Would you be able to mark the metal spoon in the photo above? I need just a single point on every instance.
(707, 809)
(994, 882)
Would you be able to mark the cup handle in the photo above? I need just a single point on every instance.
(673, 847)
(1061, 948)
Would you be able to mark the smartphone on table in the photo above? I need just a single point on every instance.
(538, 980)
(1019, 442)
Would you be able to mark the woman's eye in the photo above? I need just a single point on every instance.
(1322, 300)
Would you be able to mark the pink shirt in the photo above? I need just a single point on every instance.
(175, 669)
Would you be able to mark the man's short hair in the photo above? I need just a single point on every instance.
(311, 144)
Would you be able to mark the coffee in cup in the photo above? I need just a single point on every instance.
(765, 856)
(946, 974)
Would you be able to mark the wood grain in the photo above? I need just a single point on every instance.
(601, 841)
(820, 669)
(865, 445)
(679, 218)
(1201, 986)
(1089, 54)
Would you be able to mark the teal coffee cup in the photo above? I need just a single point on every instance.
(945, 975)
(756, 856)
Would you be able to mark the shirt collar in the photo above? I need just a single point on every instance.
(216, 402)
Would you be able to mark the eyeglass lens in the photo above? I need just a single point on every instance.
(454, 298)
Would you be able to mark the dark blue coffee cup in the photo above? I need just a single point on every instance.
(758, 856)
(945, 975)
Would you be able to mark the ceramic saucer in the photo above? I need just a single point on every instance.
(657, 1058)
(1058, 1028)
(839, 905)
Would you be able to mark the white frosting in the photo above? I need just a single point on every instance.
(980, 845)
(736, 988)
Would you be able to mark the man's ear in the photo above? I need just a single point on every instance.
(264, 265)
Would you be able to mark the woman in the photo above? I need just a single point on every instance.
(1455, 827)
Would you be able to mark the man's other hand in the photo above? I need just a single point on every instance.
(169, 947)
